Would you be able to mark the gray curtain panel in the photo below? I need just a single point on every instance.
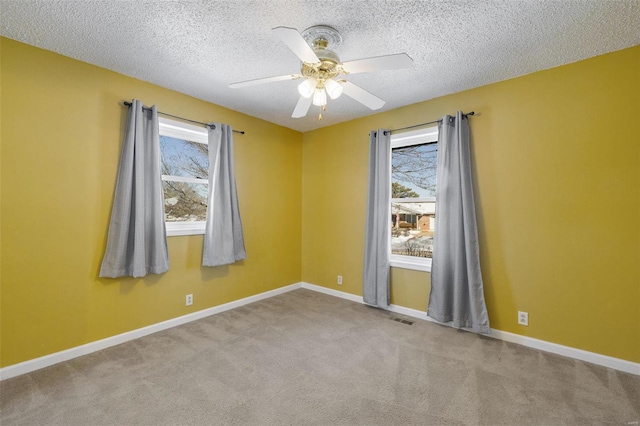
(377, 232)
(223, 238)
(137, 240)
(457, 293)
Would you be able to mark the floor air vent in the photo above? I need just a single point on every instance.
(403, 321)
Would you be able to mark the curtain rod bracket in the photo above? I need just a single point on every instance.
(213, 126)
(424, 124)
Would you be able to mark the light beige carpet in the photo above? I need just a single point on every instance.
(304, 358)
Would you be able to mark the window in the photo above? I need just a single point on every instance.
(413, 202)
(185, 176)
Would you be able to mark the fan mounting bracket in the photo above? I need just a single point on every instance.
(320, 33)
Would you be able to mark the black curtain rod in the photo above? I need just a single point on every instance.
(182, 118)
(424, 124)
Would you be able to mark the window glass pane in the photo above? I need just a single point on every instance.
(184, 158)
(412, 228)
(185, 202)
(413, 175)
(413, 171)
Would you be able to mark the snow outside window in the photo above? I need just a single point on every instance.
(413, 202)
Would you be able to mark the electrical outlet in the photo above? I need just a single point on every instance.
(339, 279)
(189, 300)
(523, 318)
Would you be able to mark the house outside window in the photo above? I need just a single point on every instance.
(413, 202)
(185, 176)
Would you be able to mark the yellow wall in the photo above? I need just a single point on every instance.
(556, 158)
(62, 129)
(0, 204)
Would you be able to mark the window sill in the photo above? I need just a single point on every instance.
(177, 229)
(416, 265)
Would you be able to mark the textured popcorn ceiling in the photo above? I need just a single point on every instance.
(199, 47)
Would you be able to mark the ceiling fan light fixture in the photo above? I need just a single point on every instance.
(321, 67)
(320, 97)
(307, 87)
(334, 89)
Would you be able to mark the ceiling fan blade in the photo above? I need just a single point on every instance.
(362, 96)
(378, 63)
(298, 45)
(264, 80)
(302, 107)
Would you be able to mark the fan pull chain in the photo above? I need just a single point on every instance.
(324, 108)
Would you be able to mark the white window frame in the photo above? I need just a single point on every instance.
(414, 137)
(179, 130)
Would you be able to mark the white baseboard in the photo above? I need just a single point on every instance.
(66, 355)
(592, 357)
(582, 355)
(331, 292)
(55, 358)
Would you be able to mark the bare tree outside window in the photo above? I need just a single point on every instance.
(184, 200)
(415, 166)
(413, 176)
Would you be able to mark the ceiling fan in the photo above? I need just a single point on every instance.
(321, 66)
